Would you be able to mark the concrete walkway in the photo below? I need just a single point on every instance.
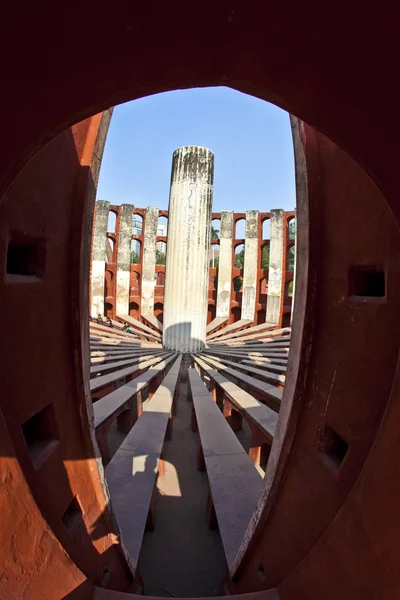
(182, 555)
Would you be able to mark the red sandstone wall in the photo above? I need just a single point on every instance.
(56, 528)
(332, 515)
(236, 296)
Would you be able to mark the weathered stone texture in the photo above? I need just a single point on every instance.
(275, 266)
(99, 256)
(187, 264)
(225, 264)
(124, 258)
(250, 266)
(149, 260)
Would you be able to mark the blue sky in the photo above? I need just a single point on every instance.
(250, 138)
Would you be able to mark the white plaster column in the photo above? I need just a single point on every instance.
(99, 257)
(225, 264)
(275, 273)
(124, 258)
(149, 260)
(250, 266)
(187, 264)
(294, 268)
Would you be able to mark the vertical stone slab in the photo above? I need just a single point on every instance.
(294, 274)
(275, 273)
(187, 264)
(99, 257)
(225, 264)
(149, 260)
(124, 259)
(250, 266)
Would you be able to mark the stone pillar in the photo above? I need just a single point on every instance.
(250, 266)
(124, 258)
(99, 257)
(225, 264)
(149, 260)
(275, 273)
(294, 267)
(187, 265)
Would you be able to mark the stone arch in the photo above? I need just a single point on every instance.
(240, 228)
(266, 228)
(159, 311)
(236, 313)
(136, 252)
(264, 285)
(134, 310)
(211, 311)
(237, 284)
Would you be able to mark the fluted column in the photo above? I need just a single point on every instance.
(250, 265)
(99, 257)
(275, 273)
(187, 264)
(124, 258)
(149, 260)
(225, 264)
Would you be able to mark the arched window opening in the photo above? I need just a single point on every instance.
(211, 311)
(265, 257)
(159, 311)
(161, 253)
(291, 255)
(134, 310)
(215, 229)
(292, 229)
(110, 250)
(292, 250)
(137, 228)
(266, 229)
(239, 256)
(240, 229)
(112, 218)
(236, 313)
(264, 286)
(214, 256)
(261, 316)
(162, 227)
(136, 247)
(238, 284)
(108, 310)
(135, 281)
(160, 281)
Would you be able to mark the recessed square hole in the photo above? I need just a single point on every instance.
(105, 577)
(333, 446)
(72, 517)
(367, 282)
(25, 258)
(41, 435)
(261, 573)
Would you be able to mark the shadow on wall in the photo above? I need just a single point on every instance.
(179, 338)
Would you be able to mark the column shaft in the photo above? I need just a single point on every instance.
(149, 260)
(124, 259)
(187, 264)
(250, 266)
(99, 257)
(275, 274)
(225, 264)
(294, 273)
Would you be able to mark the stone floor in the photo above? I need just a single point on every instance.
(182, 556)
